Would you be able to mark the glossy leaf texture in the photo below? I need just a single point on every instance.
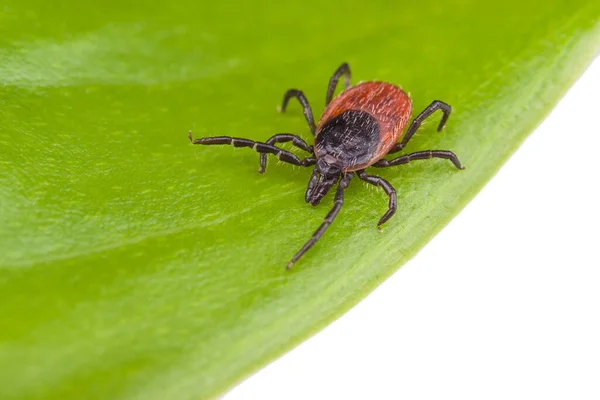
(135, 265)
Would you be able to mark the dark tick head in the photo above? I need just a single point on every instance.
(325, 175)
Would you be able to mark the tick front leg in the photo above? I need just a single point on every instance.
(387, 188)
(305, 106)
(420, 155)
(337, 206)
(282, 138)
(344, 70)
(259, 147)
(433, 107)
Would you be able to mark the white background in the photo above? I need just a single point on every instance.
(518, 316)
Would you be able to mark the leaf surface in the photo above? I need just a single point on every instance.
(135, 265)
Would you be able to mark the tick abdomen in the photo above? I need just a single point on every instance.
(362, 124)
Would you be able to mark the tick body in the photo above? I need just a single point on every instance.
(362, 124)
(357, 130)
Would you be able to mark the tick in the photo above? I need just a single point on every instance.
(357, 130)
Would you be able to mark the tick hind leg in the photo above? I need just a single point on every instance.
(420, 155)
(388, 189)
(282, 138)
(305, 106)
(344, 70)
(433, 107)
(259, 147)
(337, 206)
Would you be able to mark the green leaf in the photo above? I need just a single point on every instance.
(135, 265)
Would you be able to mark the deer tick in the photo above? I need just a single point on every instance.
(357, 130)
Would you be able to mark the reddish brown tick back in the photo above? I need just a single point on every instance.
(357, 129)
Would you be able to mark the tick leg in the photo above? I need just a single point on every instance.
(302, 99)
(260, 147)
(433, 107)
(280, 138)
(420, 155)
(343, 69)
(337, 205)
(388, 189)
